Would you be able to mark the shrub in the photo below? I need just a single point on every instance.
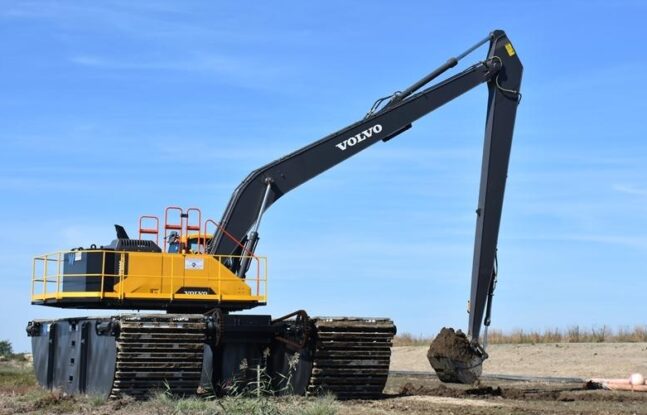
(6, 350)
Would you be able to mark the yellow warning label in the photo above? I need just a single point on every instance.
(510, 49)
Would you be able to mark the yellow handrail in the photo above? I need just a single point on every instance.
(55, 274)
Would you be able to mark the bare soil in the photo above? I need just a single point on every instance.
(422, 394)
(429, 396)
(412, 393)
(585, 360)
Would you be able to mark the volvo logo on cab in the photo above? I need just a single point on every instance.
(358, 138)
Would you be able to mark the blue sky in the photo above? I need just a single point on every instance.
(115, 109)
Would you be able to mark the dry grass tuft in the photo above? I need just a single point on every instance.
(20, 394)
(244, 405)
(573, 334)
(407, 339)
(16, 376)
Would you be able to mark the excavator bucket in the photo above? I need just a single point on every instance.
(454, 358)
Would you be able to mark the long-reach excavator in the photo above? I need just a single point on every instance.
(201, 276)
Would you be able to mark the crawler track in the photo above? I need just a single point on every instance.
(351, 356)
(139, 354)
(159, 352)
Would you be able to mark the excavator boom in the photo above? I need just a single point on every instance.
(501, 70)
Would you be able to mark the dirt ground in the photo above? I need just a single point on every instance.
(422, 394)
(431, 397)
(408, 393)
(585, 360)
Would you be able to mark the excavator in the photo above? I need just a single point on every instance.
(189, 337)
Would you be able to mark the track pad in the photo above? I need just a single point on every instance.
(454, 358)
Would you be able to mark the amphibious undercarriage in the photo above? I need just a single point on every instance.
(138, 354)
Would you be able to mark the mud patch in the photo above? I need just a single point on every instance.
(541, 393)
(410, 389)
(485, 392)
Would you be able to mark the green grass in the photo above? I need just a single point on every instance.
(21, 394)
(14, 375)
(322, 405)
(163, 403)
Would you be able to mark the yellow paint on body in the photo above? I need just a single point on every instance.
(154, 276)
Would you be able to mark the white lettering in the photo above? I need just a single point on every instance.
(358, 138)
(196, 292)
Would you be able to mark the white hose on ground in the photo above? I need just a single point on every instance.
(635, 382)
(614, 381)
(624, 387)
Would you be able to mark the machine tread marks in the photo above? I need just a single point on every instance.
(160, 352)
(351, 356)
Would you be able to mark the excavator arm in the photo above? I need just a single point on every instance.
(503, 99)
(501, 71)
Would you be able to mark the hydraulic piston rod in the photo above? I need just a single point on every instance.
(451, 62)
(252, 239)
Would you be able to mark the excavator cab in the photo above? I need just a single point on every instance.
(196, 243)
(192, 243)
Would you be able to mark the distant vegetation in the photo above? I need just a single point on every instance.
(6, 350)
(574, 334)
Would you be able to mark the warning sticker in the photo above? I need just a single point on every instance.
(194, 263)
(510, 49)
(78, 256)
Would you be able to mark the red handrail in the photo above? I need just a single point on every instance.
(173, 226)
(149, 231)
(196, 226)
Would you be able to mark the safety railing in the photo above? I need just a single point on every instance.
(149, 225)
(100, 274)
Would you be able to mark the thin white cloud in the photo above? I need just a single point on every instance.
(426, 155)
(631, 241)
(599, 76)
(204, 63)
(630, 189)
(165, 26)
(636, 242)
(150, 20)
(91, 184)
(245, 72)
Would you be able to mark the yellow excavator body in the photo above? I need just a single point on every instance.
(142, 280)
